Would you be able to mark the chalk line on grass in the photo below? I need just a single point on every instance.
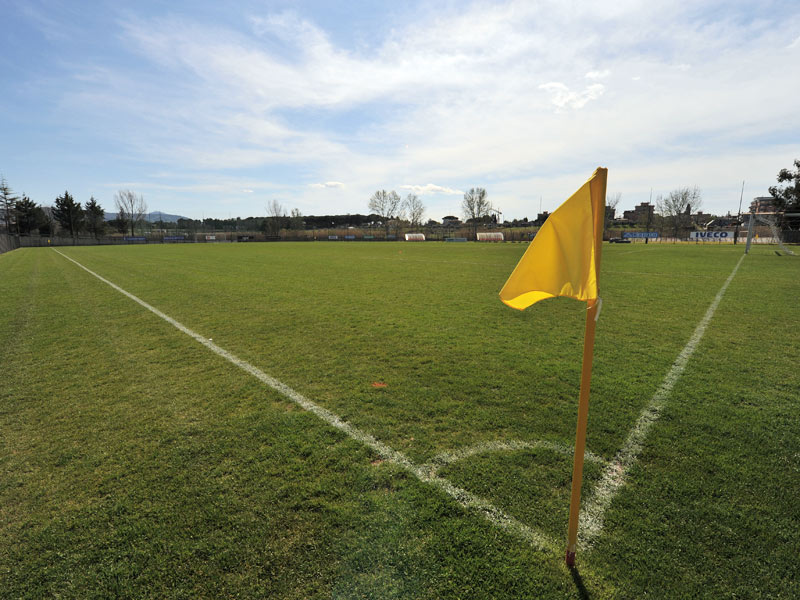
(592, 514)
(422, 472)
(447, 458)
(615, 474)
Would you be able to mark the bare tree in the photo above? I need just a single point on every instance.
(386, 205)
(612, 201)
(677, 207)
(414, 209)
(131, 208)
(275, 215)
(475, 206)
(296, 219)
(275, 209)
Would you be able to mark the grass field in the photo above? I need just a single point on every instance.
(135, 462)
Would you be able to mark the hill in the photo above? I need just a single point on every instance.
(151, 217)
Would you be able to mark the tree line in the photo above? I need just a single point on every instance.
(23, 216)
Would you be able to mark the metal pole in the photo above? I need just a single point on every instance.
(749, 233)
(738, 216)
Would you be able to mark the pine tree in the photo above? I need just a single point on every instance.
(95, 217)
(68, 214)
(29, 215)
(7, 202)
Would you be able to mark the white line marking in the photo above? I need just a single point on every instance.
(681, 275)
(447, 458)
(613, 478)
(633, 251)
(466, 499)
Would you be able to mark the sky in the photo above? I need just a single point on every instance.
(214, 109)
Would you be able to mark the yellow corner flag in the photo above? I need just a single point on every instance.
(564, 257)
(564, 260)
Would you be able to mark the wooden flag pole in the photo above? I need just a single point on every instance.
(564, 260)
(598, 194)
(580, 434)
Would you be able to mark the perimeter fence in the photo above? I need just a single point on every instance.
(8, 242)
(11, 242)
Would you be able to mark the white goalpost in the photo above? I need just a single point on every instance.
(769, 222)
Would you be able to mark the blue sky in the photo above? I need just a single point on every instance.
(215, 109)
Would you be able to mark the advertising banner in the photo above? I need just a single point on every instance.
(640, 234)
(712, 236)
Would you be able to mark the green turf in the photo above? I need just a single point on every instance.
(136, 463)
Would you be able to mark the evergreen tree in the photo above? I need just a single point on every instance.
(47, 225)
(29, 215)
(95, 217)
(68, 214)
(7, 202)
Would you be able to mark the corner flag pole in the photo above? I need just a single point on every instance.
(564, 260)
(592, 313)
(580, 434)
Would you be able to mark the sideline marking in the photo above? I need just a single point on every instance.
(447, 458)
(422, 472)
(592, 514)
(649, 273)
(615, 474)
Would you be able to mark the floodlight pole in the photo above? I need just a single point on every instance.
(738, 216)
(749, 233)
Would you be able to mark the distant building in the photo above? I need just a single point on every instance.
(450, 221)
(640, 214)
(702, 218)
(763, 204)
(725, 222)
(541, 218)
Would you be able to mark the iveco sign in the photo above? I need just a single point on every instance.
(714, 236)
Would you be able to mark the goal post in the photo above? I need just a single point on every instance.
(777, 236)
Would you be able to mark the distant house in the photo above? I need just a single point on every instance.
(450, 221)
(640, 213)
(725, 222)
(763, 204)
(701, 218)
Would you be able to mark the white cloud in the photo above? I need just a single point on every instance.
(328, 184)
(450, 109)
(597, 74)
(561, 96)
(431, 188)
